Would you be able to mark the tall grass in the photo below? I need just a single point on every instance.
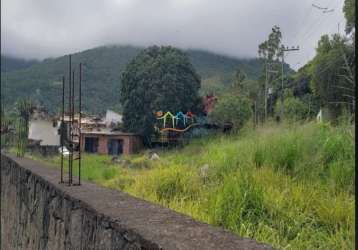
(289, 185)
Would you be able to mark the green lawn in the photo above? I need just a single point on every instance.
(291, 186)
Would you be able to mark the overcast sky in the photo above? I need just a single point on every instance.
(46, 28)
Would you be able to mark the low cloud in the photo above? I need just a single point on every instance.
(42, 28)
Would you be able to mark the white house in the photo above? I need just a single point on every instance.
(45, 131)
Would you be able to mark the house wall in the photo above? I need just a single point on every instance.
(131, 143)
(45, 131)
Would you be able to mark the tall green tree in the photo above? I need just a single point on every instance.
(349, 14)
(270, 49)
(240, 77)
(333, 77)
(158, 79)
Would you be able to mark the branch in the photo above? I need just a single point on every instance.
(353, 97)
(347, 78)
(342, 103)
(340, 87)
(347, 64)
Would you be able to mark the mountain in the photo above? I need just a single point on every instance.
(102, 68)
(9, 63)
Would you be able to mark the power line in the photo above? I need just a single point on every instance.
(311, 27)
(306, 17)
(314, 26)
(318, 7)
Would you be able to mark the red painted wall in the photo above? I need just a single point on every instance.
(131, 144)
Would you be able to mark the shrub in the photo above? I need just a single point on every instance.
(294, 109)
(233, 109)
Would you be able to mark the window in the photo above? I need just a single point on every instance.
(91, 144)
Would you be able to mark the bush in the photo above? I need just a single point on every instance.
(233, 109)
(294, 109)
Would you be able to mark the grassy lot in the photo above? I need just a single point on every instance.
(291, 186)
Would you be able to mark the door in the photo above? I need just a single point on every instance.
(115, 146)
(91, 144)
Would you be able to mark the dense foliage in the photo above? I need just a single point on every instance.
(232, 109)
(270, 49)
(158, 79)
(333, 75)
(349, 10)
(102, 68)
(294, 108)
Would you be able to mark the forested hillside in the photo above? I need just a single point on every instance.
(102, 68)
(10, 64)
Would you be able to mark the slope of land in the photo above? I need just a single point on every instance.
(291, 186)
(102, 68)
(9, 63)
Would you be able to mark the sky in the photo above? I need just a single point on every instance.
(37, 29)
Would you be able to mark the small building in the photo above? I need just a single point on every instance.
(43, 133)
(112, 142)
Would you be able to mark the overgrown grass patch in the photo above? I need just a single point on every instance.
(289, 185)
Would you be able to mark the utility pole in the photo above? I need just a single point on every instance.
(267, 71)
(283, 50)
(266, 79)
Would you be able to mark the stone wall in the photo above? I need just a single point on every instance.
(39, 213)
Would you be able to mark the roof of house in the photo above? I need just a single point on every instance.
(106, 131)
(85, 119)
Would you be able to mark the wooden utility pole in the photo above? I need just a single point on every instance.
(266, 83)
(267, 71)
(282, 74)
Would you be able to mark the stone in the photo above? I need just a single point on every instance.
(204, 171)
(154, 157)
(120, 161)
